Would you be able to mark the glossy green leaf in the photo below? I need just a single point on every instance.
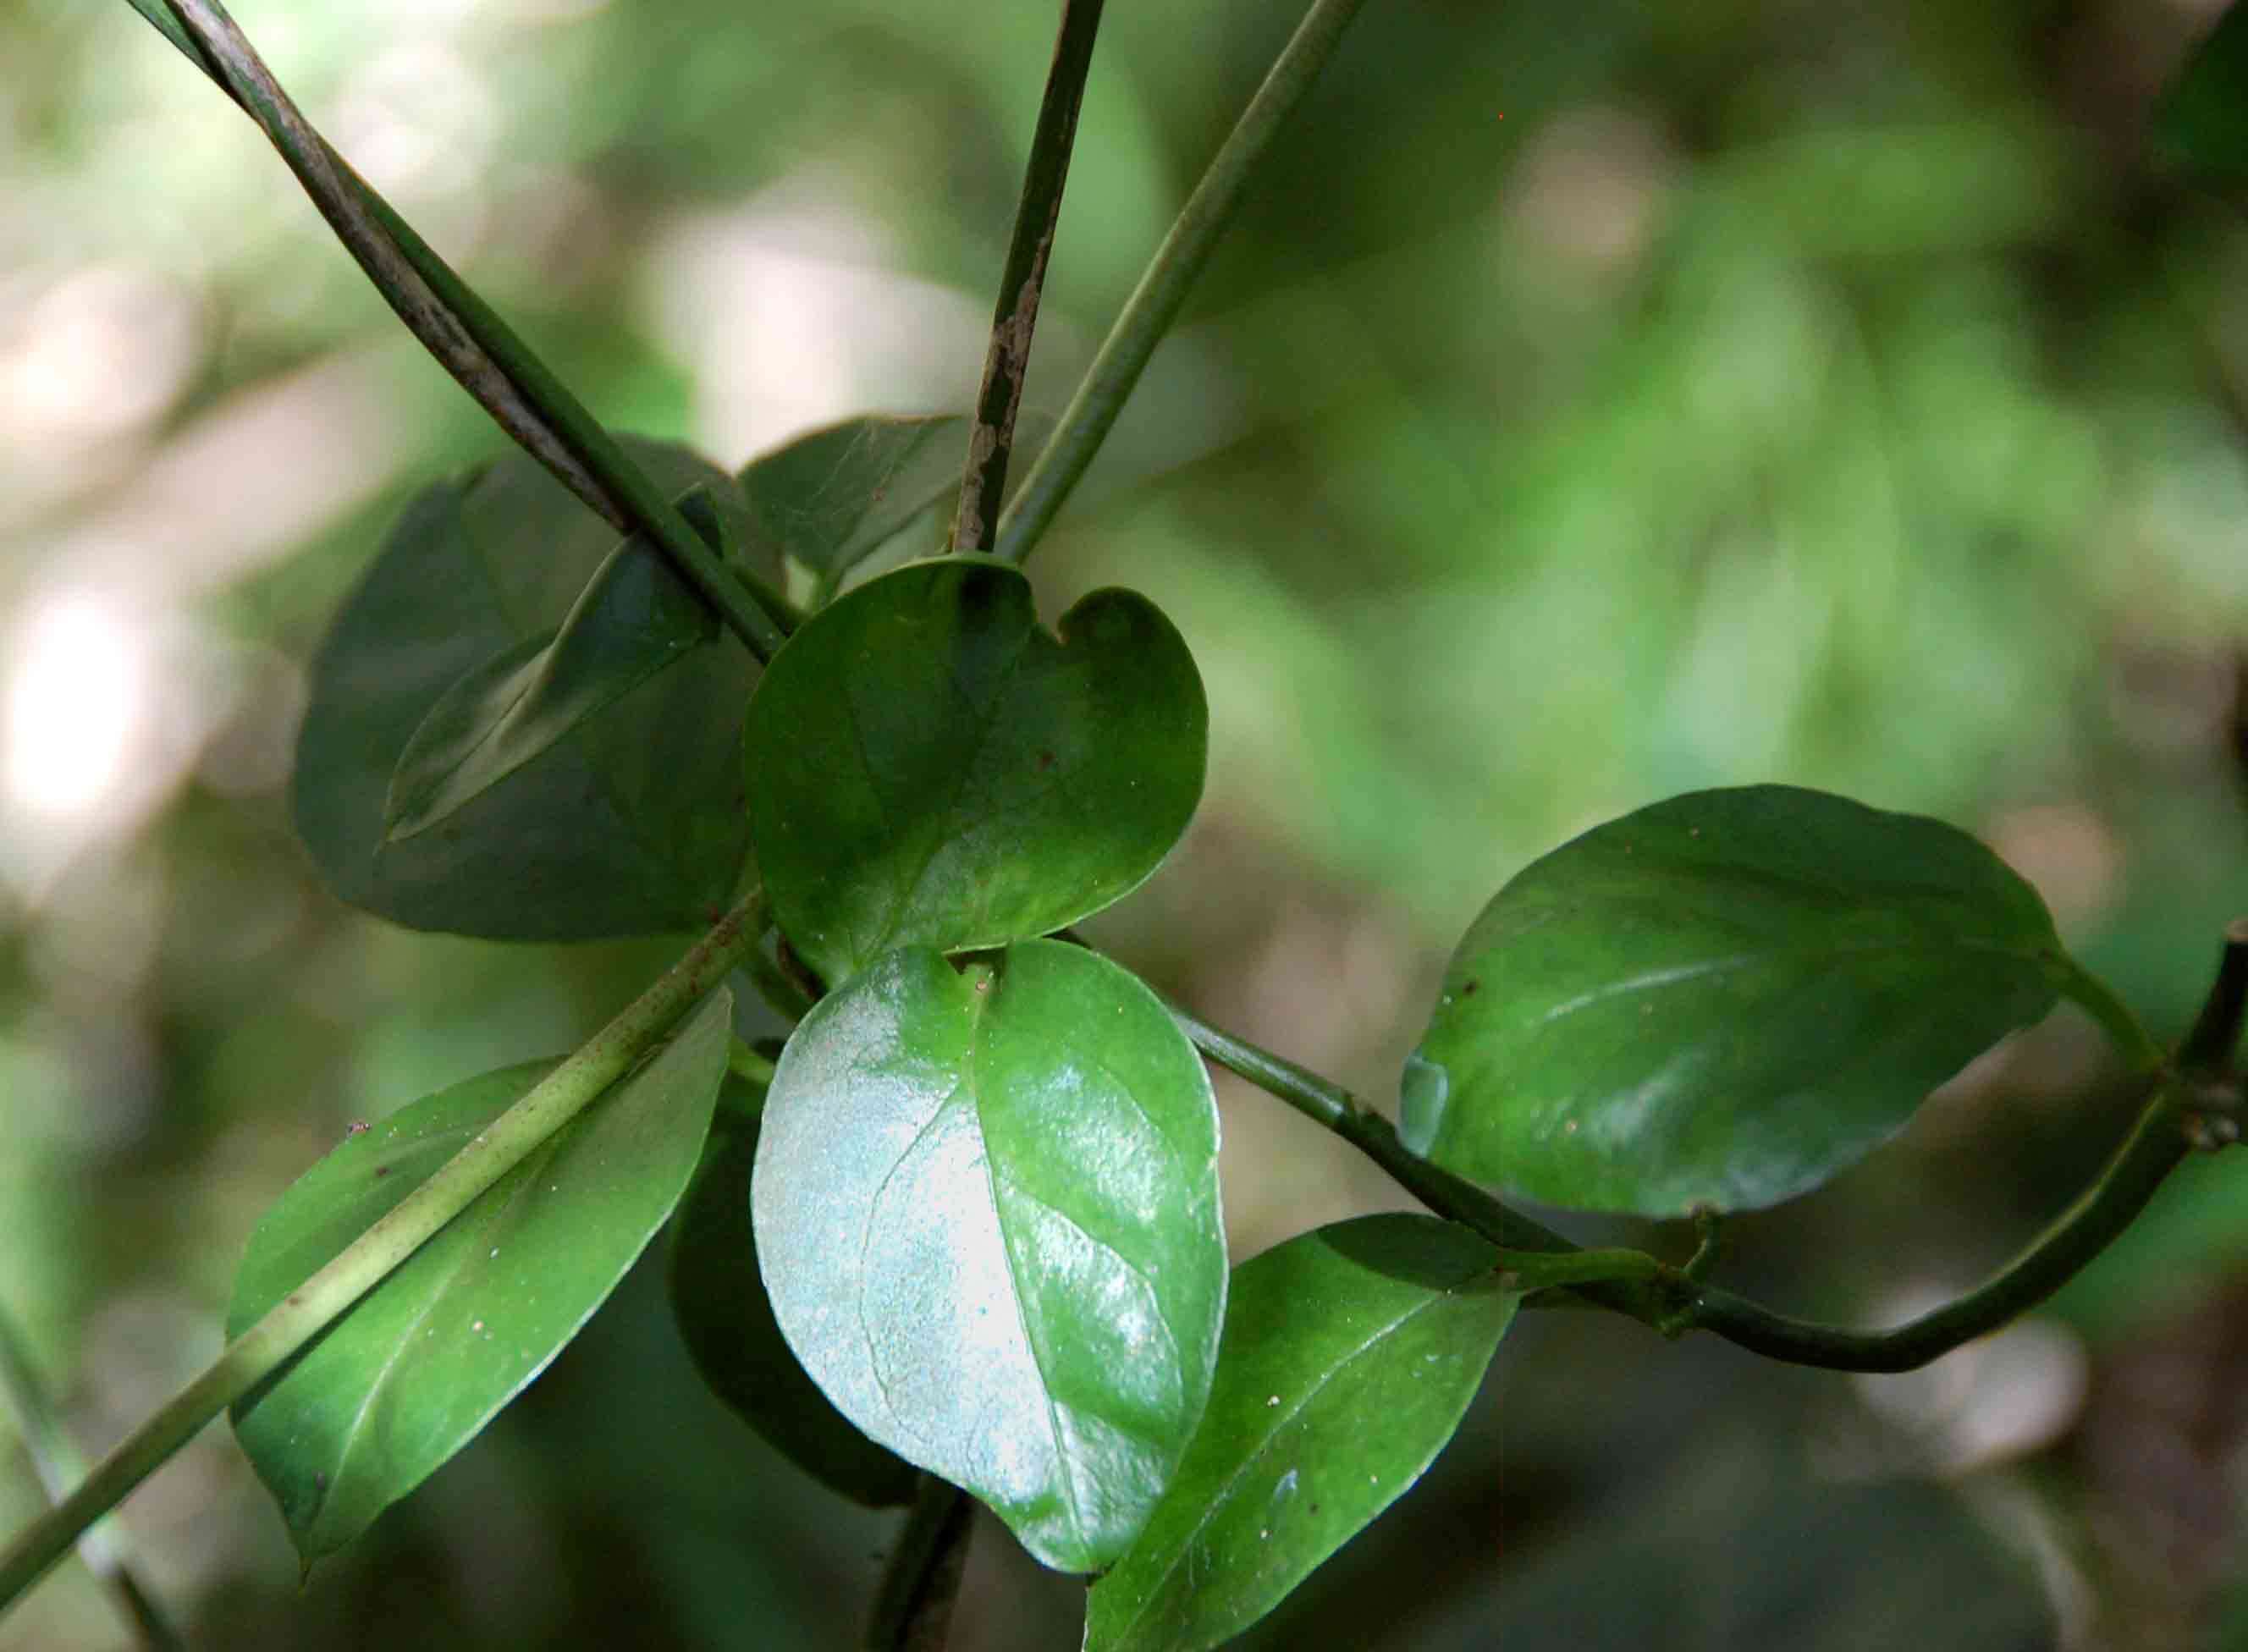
(421, 1363)
(1721, 1001)
(635, 619)
(1350, 1356)
(719, 1301)
(831, 499)
(630, 823)
(986, 1206)
(932, 767)
(2203, 119)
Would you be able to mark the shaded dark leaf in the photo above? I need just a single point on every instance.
(630, 823)
(719, 1298)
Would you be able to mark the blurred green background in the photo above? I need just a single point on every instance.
(1598, 401)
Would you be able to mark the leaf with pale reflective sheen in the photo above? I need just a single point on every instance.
(718, 1299)
(987, 1209)
(636, 617)
(416, 1367)
(1721, 1000)
(929, 766)
(832, 498)
(1350, 1356)
(631, 824)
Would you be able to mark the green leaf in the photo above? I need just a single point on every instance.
(831, 499)
(635, 618)
(2203, 119)
(1350, 1356)
(630, 824)
(986, 1207)
(727, 1322)
(421, 1363)
(1721, 1001)
(930, 767)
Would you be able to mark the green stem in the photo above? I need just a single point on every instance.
(1673, 1301)
(2092, 995)
(2207, 1048)
(368, 1259)
(1545, 1269)
(913, 1607)
(2154, 1148)
(1017, 314)
(465, 335)
(1156, 302)
(782, 992)
(55, 1459)
(750, 1067)
(1624, 1280)
(1333, 1108)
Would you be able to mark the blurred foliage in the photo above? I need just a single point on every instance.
(1596, 401)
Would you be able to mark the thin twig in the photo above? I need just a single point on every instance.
(913, 1607)
(369, 1259)
(1155, 303)
(463, 333)
(1672, 1301)
(1000, 398)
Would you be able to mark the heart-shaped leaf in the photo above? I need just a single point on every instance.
(1350, 1356)
(986, 1207)
(831, 499)
(635, 618)
(930, 767)
(727, 1322)
(629, 825)
(1720, 1001)
(420, 1364)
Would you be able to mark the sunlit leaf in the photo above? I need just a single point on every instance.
(1350, 1354)
(1721, 1000)
(719, 1301)
(630, 823)
(929, 766)
(986, 1207)
(419, 1365)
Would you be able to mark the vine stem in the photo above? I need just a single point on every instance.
(913, 1607)
(1674, 1301)
(466, 336)
(1022, 277)
(1538, 1258)
(1148, 314)
(307, 1311)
